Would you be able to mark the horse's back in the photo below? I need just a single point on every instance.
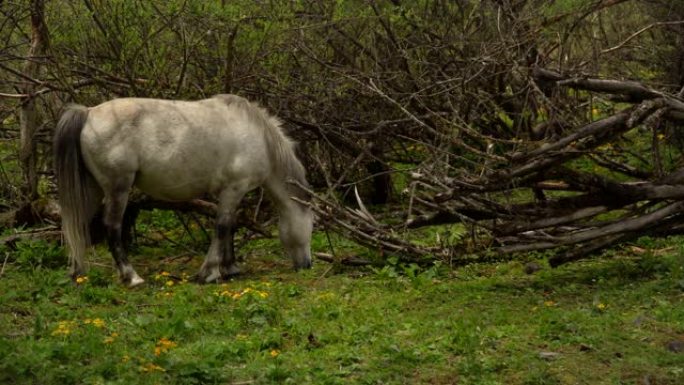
(176, 149)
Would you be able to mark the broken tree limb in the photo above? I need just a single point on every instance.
(624, 226)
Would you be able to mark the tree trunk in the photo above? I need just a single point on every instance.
(27, 113)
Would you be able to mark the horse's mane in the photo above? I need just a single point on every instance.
(281, 147)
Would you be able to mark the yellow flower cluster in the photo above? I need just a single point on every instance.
(110, 339)
(151, 367)
(168, 280)
(97, 322)
(81, 280)
(239, 294)
(163, 346)
(162, 275)
(64, 328)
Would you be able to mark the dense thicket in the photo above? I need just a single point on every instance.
(537, 124)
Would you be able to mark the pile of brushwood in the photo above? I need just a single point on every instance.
(577, 189)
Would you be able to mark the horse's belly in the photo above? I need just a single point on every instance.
(171, 187)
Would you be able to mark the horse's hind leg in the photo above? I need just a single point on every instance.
(220, 260)
(115, 205)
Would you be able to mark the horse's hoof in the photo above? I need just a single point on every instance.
(212, 276)
(135, 281)
(216, 275)
(196, 278)
(303, 265)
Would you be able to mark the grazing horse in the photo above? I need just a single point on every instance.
(224, 146)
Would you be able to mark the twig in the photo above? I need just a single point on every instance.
(349, 261)
(4, 263)
(639, 32)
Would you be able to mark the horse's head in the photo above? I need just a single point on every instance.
(296, 225)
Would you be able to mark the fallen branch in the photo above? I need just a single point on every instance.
(50, 233)
(347, 261)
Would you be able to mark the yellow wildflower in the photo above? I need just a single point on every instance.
(98, 323)
(661, 136)
(169, 283)
(63, 328)
(163, 346)
(111, 338)
(162, 275)
(82, 279)
(150, 367)
(275, 353)
(601, 306)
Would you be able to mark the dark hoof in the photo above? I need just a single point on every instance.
(304, 266)
(213, 276)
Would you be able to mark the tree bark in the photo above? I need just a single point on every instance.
(27, 113)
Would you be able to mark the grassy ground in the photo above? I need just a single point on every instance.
(607, 321)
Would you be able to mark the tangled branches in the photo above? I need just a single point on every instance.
(529, 195)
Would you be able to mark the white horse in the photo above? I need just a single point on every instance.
(176, 150)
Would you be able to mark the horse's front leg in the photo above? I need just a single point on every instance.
(220, 260)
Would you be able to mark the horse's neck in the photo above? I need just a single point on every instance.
(282, 190)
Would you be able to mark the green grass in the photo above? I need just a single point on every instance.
(608, 320)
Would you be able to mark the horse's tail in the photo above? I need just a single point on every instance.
(77, 189)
